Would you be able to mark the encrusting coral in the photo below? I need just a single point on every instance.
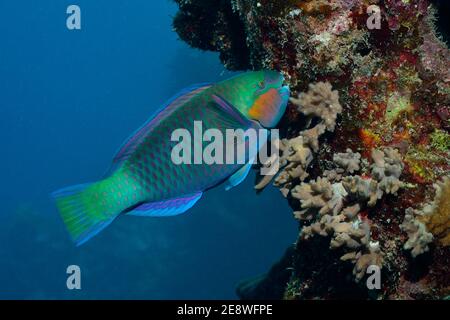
(365, 140)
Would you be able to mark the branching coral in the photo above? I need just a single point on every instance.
(387, 168)
(320, 101)
(433, 219)
(317, 196)
(418, 236)
(362, 189)
(362, 260)
(322, 200)
(295, 158)
(323, 209)
(325, 212)
(348, 160)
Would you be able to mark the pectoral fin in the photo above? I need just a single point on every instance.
(231, 111)
(238, 176)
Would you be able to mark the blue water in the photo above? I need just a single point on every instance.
(67, 101)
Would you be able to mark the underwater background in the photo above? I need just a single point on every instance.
(68, 99)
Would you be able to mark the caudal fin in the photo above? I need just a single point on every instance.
(82, 211)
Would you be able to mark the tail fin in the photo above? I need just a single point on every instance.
(83, 212)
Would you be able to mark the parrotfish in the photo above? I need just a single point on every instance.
(145, 181)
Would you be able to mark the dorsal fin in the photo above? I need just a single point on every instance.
(135, 139)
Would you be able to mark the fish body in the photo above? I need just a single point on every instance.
(145, 181)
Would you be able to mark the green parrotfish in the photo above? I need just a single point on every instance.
(145, 181)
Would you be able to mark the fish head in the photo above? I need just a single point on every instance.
(261, 96)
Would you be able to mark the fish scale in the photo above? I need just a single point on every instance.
(164, 167)
(145, 181)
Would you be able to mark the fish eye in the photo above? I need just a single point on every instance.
(261, 84)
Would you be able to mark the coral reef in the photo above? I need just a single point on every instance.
(335, 214)
(363, 143)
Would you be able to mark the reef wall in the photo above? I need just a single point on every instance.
(365, 159)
